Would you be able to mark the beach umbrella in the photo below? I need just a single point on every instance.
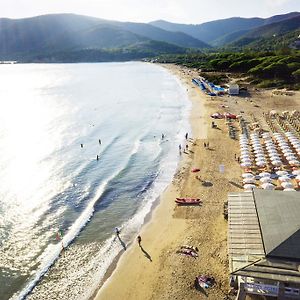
(287, 185)
(244, 147)
(272, 151)
(245, 152)
(259, 151)
(261, 163)
(298, 178)
(276, 163)
(268, 186)
(264, 174)
(248, 180)
(244, 165)
(284, 178)
(290, 157)
(296, 172)
(248, 175)
(286, 151)
(282, 173)
(195, 170)
(265, 180)
(249, 186)
(294, 162)
(289, 190)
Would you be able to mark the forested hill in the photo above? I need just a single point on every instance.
(222, 32)
(43, 35)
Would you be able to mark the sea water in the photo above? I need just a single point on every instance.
(59, 205)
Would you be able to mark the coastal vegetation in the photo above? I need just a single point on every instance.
(266, 69)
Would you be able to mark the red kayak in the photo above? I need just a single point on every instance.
(188, 201)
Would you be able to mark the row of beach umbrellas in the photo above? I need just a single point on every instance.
(285, 148)
(266, 182)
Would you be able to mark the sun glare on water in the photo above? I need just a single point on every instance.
(26, 120)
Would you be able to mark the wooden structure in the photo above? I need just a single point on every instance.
(264, 243)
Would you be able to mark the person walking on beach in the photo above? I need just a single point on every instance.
(139, 239)
(180, 148)
(81, 145)
(99, 142)
(117, 230)
(186, 136)
(186, 147)
(162, 136)
(97, 157)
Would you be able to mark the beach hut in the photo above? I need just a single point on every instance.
(233, 89)
(265, 265)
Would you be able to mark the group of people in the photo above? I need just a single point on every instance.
(186, 148)
(97, 157)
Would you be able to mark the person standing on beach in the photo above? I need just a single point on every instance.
(162, 136)
(97, 157)
(99, 142)
(186, 136)
(139, 239)
(180, 148)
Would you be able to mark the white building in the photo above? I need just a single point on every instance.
(233, 89)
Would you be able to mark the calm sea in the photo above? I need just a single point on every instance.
(54, 193)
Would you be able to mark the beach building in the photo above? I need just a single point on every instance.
(264, 243)
(233, 89)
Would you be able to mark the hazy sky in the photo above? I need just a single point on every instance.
(183, 11)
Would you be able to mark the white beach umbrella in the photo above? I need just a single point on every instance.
(287, 185)
(298, 177)
(286, 151)
(296, 172)
(244, 148)
(245, 155)
(264, 174)
(268, 186)
(261, 163)
(290, 156)
(272, 151)
(289, 190)
(245, 152)
(265, 180)
(258, 151)
(244, 165)
(276, 163)
(248, 181)
(282, 173)
(284, 178)
(249, 186)
(248, 175)
(294, 163)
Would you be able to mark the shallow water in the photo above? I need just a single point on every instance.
(56, 193)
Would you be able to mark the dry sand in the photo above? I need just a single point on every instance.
(156, 271)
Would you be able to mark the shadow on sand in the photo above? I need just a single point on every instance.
(200, 289)
(122, 243)
(147, 255)
(236, 185)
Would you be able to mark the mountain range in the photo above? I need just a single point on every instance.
(70, 37)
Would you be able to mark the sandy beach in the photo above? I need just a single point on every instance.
(155, 270)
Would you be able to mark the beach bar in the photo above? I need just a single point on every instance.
(264, 243)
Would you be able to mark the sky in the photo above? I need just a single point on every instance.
(179, 11)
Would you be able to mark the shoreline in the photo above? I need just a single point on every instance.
(160, 205)
(169, 275)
